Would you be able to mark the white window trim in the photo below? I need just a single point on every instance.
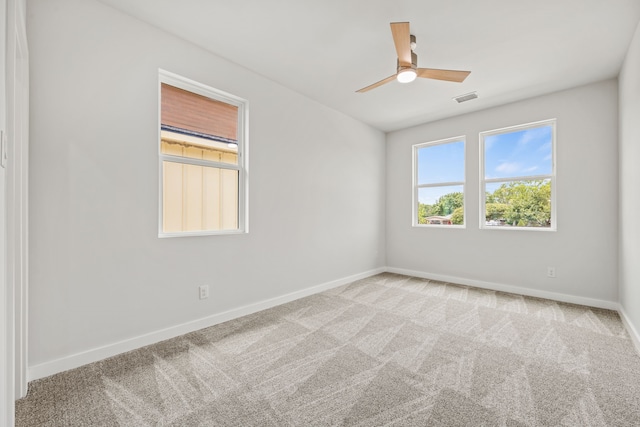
(551, 177)
(243, 151)
(417, 187)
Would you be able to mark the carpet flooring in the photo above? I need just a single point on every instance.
(389, 350)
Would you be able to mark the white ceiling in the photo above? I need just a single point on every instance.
(327, 49)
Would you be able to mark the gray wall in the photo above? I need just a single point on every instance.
(99, 273)
(630, 184)
(583, 250)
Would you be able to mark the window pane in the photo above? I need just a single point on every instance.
(518, 204)
(441, 205)
(187, 111)
(198, 198)
(203, 150)
(521, 153)
(197, 126)
(441, 163)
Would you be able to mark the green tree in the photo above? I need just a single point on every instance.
(425, 211)
(449, 203)
(521, 203)
(422, 213)
(457, 217)
(494, 211)
(444, 206)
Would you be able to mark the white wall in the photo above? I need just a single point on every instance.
(99, 273)
(629, 82)
(583, 250)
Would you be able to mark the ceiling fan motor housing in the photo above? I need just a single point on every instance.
(414, 61)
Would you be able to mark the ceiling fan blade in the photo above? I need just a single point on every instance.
(375, 85)
(402, 40)
(448, 75)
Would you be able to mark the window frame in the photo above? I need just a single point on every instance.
(241, 167)
(551, 177)
(416, 187)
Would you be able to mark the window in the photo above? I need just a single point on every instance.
(202, 153)
(438, 183)
(518, 177)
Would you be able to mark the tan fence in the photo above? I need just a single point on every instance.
(197, 198)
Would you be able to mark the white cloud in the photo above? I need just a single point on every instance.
(545, 147)
(526, 138)
(534, 134)
(508, 167)
(514, 167)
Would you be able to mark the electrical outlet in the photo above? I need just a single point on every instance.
(551, 272)
(204, 291)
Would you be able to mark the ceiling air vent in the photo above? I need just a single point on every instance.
(465, 97)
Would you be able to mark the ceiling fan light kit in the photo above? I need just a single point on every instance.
(406, 75)
(408, 70)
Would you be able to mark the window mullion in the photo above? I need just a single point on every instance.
(519, 178)
(440, 184)
(198, 162)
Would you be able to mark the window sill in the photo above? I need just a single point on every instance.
(162, 235)
(458, 227)
(511, 228)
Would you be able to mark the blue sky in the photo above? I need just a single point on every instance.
(439, 164)
(430, 195)
(521, 153)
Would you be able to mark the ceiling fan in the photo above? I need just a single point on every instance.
(408, 61)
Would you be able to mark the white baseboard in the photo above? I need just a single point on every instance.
(93, 355)
(96, 354)
(633, 332)
(591, 302)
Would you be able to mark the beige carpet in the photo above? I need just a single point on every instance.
(387, 350)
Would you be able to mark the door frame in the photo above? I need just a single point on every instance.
(14, 215)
